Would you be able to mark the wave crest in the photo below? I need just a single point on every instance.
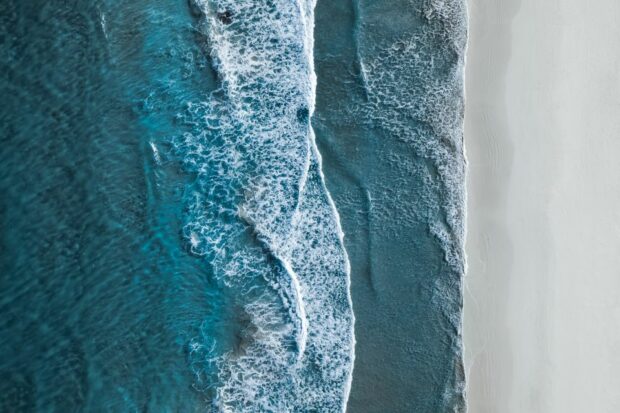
(259, 213)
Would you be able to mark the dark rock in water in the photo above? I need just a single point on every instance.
(194, 9)
(225, 17)
(303, 114)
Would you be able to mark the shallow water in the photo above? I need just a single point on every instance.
(168, 242)
(389, 125)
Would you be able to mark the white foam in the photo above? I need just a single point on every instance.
(156, 154)
(258, 173)
(103, 23)
(300, 309)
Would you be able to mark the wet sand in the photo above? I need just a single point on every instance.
(542, 300)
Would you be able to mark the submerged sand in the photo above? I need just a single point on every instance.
(542, 300)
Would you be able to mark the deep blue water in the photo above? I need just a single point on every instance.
(168, 242)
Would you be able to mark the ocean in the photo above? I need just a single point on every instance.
(231, 206)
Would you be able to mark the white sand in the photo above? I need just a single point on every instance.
(542, 301)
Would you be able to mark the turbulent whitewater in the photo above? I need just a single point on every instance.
(259, 214)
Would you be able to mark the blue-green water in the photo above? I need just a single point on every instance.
(389, 125)
(167, 239)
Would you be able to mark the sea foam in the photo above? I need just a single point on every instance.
(259, 214)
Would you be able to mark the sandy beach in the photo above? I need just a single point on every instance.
(542, 300)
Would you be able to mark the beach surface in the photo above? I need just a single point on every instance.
(542, 299)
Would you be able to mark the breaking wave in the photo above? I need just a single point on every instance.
(258, 212)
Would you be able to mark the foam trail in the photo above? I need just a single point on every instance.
(260, 214)
(300, 309)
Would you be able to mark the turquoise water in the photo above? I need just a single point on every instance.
(167, 239)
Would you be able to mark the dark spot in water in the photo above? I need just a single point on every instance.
(194, 9)
(17, 392)
(225, 17)
(303, 114)
(244, 333)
